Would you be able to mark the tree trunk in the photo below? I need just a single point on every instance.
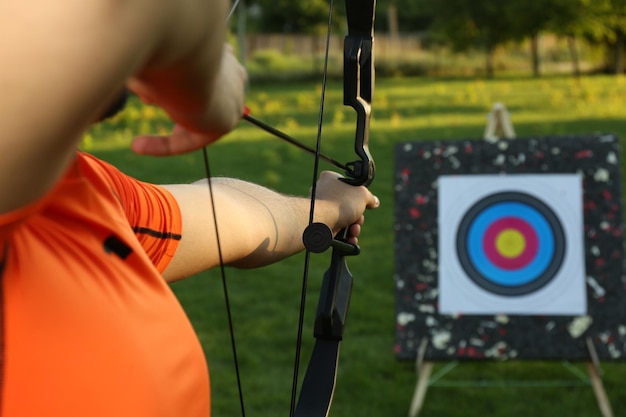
(619, 52)
(489, 58)
(534, 53)
(573, 52)
(392, 20)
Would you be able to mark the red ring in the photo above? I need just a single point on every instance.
(517, 262)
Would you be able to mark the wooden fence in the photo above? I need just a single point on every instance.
(554, 53)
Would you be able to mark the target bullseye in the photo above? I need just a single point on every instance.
(510, 243)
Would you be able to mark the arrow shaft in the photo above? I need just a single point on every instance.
(287, 138)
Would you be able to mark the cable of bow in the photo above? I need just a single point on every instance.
(207, 172)
(319, 381)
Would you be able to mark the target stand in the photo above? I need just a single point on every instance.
(499, 124)
(510, 250)
(593, 378)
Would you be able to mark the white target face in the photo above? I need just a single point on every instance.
(511, 244)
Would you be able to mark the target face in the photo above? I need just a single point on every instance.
(511, 244)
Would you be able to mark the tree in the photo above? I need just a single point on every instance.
(601, 21)
(531, 19)
(468, 24)
(574, 19)
(408, 16)
(297, 16)
(613, 12)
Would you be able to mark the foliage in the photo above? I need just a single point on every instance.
(613, 13)
(412, 18)
(487, 24)
(468, 24)
(296, 16)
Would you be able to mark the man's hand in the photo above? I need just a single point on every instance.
(349, 202)
(208, 123)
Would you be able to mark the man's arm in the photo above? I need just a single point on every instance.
(256, 226)
(63, 61)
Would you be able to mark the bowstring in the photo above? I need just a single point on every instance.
(307, 256)
(232, 10)
(305, 278)
(231, 328)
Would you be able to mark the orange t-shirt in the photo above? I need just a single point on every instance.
(90, 327)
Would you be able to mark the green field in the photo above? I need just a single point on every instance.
(265, 302)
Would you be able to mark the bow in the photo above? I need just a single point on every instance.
(319, 381)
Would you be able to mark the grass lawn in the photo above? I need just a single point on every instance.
(265, 302)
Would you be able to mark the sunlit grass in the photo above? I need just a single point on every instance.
(399, 104)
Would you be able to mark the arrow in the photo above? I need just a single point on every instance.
(256, 122)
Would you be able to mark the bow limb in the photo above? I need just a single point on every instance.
(358, 83)
(319, 381)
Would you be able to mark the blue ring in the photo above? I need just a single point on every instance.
(496, 274)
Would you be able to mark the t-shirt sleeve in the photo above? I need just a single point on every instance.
(152, 212)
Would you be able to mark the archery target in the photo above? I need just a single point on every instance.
(511, 244)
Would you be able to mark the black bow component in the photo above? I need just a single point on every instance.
(358, 83)
(319, 381)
